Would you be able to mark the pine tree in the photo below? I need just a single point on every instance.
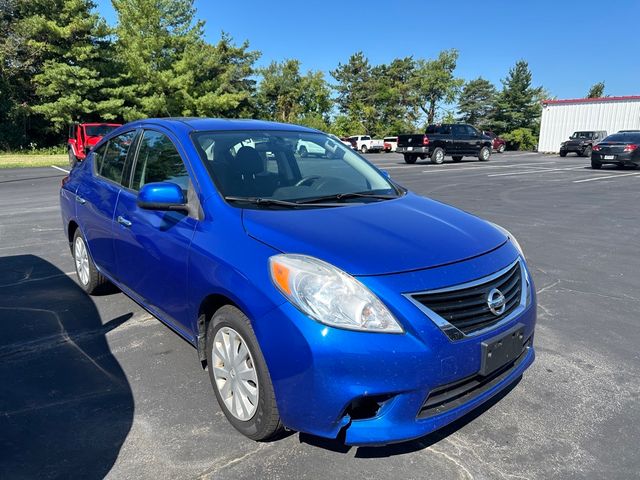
(518, 104)
(596, 90)
(475, 104)
(73, 42)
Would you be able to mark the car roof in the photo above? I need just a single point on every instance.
(222, 124)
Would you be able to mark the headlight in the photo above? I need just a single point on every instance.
(329, 295)
(511, 237)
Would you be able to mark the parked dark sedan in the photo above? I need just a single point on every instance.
(621, 149)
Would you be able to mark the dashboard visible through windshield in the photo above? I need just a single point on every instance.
(278, 168)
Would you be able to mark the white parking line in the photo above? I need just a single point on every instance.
(608, 176)
(527, 172)
(466, 169)
(61, 169)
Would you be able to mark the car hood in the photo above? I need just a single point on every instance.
(408, 233)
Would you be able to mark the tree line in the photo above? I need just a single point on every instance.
(61, 62)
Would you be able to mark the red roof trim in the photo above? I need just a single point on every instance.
(590, 100)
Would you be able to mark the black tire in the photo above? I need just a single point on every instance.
(484, 154)
(563, 153)
(265, 422)
(587, 151)
(457, 158)
(408, 158)
(303, 151)
(91, 280)
(596, 165)
(72, 159)
(363, 149)
(437, 156)
(502, 148)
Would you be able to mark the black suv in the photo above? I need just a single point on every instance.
(582, 142)
(454, 140)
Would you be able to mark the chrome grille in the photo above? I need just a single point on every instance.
(464, 310)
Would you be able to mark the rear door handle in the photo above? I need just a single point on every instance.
(123, 221)
(80, 200)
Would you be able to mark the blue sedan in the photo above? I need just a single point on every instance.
(321, 296)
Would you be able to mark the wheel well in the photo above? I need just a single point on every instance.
(71, 231)
(208, 307)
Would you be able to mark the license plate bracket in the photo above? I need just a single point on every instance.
(501, 349)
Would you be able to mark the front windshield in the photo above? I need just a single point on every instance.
(286, 166)
(582, 135)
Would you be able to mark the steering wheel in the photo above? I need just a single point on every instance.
(307, 181)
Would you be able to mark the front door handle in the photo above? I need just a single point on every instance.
(123, 221)
(80, 200)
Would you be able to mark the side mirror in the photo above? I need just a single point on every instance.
(162, 196)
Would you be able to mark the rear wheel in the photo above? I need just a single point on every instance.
(88, 275)
(596, 165)
(408, 158)
(586, 152)
(437, 156)
(239, 375)
(502, 148)
(563, 153)
(457, 158)
(484, 154)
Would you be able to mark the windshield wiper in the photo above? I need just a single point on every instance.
(274, 201)
(345, 196)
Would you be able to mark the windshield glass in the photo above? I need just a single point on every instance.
(291, 166)
(582, 135)
(98, 130)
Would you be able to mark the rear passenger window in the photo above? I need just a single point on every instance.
(115, 156)
(159, 161)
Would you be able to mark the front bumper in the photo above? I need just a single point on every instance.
(321, 374)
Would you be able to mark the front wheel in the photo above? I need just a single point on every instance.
(239, 375)
(502, 148)
(303, 151)
(484, 154)
(437, 156)
(363, 149)
(563, 153)
(410, 158)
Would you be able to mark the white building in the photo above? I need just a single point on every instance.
(560, 118)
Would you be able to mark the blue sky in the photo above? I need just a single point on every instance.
(568, 48)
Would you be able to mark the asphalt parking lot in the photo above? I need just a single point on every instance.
(96, 386)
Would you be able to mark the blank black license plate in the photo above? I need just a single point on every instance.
(502, 349)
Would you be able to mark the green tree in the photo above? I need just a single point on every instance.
(596, 90)
(434, 82)
(216, 80)
(285, 95)
(355, 92)
(475, 104)
(518, 104)
(73, 41)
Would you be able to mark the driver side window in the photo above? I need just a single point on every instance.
(159, 161)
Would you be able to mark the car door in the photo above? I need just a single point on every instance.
(152, 247)
(97, 195)
(459, 140)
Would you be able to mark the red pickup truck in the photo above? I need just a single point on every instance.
(83, 136)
